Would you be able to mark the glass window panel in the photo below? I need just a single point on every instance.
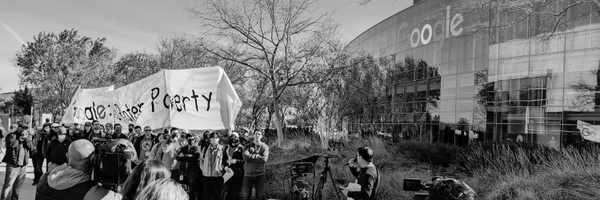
(493, 67)
(514, 49)
(510, 66)
(554, 44)
(466, 85)
(465, 104)
(583, 40)
(448, 87)
(544, 64)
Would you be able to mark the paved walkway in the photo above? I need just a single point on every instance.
(28, 190)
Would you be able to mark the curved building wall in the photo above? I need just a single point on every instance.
(472, 79)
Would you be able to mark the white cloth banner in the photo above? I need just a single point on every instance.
(588, 131)
(90, 104)
(195, 99)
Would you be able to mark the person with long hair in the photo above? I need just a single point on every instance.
(163, 189)
(144, 174)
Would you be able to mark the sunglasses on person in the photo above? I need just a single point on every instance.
(148, 130)
(56, 127)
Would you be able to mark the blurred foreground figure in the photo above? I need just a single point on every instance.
(145, 173)
(451, 189)
(163, 189)
(72, 180)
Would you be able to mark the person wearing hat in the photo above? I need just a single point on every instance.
(189, 168)
(57, 150)
(18, 146)
(235, 152)
(244, 136)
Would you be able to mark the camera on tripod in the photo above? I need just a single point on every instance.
(415, 184)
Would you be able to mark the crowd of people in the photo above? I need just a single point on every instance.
(172, 164)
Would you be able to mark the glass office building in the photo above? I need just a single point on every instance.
(464, 73)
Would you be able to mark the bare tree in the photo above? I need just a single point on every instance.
(284, 41)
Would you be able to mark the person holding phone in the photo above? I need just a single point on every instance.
(364, 170)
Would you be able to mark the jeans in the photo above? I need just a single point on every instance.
(258, 182)
(37, 168)
(212, 188)
(234, 188)
(15, 176)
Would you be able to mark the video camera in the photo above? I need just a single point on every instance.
(415, 184)
(113, 161)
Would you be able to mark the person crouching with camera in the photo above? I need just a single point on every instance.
(364, 170)
(72, 181)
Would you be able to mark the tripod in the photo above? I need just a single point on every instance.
(318, 194)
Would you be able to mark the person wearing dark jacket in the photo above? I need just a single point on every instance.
(118, 132)
(72, 181)
(57, 151)
(235, 152)
(188, 157)
(368, 177)
(18, 146)
(38, 152)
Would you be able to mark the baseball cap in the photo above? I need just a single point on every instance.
(23, 125)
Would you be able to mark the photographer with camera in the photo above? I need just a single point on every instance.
(368, 177)
(72, 181)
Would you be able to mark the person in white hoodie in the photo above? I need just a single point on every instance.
(72, 181)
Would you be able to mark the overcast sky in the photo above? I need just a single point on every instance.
(137, 25)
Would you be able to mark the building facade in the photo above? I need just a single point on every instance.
(465, 73)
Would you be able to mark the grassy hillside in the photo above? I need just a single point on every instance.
(494, 170)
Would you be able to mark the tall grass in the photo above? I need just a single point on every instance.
(391, 160)
(494, 170)
(514, 171)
